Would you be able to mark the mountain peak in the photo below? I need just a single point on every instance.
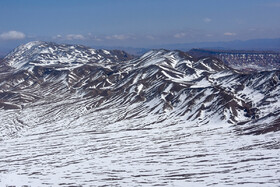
(31, 44)
(38, 53)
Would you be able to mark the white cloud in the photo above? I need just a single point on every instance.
(57, 37)
(229, 34)
(12, 35)
(97, 39)
(180, 35)
(207, 20)
(118, 37)
(69, 37)
(90, 36)
(75, 37)
(150, 37)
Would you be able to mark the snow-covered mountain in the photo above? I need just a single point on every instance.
(116, 111)
(50, 54)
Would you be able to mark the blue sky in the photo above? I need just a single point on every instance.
(137, 23)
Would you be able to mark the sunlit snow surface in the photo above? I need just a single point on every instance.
(93, 148)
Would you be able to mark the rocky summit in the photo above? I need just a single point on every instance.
(75, 116)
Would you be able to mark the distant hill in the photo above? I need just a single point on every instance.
(256, 44)
(252, 45)
(242, 59)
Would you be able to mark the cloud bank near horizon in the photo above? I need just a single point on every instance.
(12, 35)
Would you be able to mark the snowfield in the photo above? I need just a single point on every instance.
(92, 149)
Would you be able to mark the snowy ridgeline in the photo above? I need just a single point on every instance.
(162, 119)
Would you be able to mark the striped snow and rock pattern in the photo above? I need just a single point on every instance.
(71, 115)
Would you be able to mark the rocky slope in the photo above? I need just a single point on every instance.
(130, 111)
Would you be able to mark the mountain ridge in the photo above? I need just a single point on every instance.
(160, 75)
